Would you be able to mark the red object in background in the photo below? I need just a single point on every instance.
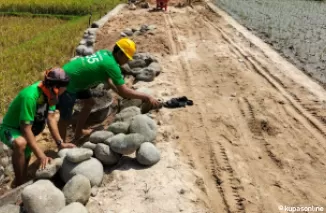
(160, 4)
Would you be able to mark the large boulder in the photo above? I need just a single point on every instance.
(77, 155)
(145, 126)
(119, 138)
(155, 67)
(125, 103)
(146, 75)
(127, 113)
(148, 154)
(63, 152)
(77, 189)
(91, 168)
(119, 127)
(137, 63)
(129, 145)
(42, 197)
(10, 208)
(106, 155)
(89, 145)
(100, 136)
(147, 57)
(50, 170)
(74, 208)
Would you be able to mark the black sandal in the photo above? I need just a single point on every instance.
(178, 102)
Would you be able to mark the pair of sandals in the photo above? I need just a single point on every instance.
(178, 102)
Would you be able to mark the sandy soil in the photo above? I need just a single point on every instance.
(254, 139)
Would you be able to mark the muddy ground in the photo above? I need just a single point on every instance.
(295, 28)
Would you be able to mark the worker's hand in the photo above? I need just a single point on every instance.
(67, 146)
(44, 160)
(154, 103)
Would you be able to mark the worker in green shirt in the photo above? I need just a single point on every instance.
(86, 72)
(26, 118)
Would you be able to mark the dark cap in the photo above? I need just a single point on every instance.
(56, 77)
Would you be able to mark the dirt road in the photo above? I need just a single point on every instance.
(254, 139)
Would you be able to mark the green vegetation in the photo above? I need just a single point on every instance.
(76, 7)
(38, 34)
(16, 30)
(22, 65)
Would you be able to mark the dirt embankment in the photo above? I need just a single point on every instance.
(254, 139)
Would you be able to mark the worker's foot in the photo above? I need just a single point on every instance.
(84, 133)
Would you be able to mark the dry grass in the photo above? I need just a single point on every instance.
(21, 65)
(16, 30)
(76, 7)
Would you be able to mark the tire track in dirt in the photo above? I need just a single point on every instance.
(221, 170)
(312, 123)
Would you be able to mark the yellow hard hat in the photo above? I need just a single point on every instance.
(127, 46)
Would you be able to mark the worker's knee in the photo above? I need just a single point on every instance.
(20, 144)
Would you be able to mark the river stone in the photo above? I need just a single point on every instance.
(151, 27)
(88, 51)
(147, 154)
(90, 41)
(100, 136)
(89, 145)
(80, 50)
(106, 155)
(50, 170)
(77, 189)
(129, 145)
(2, 174)
(126, 103)
(134, 29)
(144, 5)
(137, 63)
(136, 71)
(10, 208)
(82, 42)
(91, 168)
(145, 126)
(128, 32)
(4, 161)
(146, 75)
(126, 69)
(92, 31)
(119, 127)
(127, 113)
(122, 34)
(42, 197)
(74, 208)
(77, 155)
(119, 138)
(155, 67)
(147, 57)
(94, 191)
(63, 152)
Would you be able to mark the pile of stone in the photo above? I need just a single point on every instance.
(85, 46)
(144, 67)
(136, 31)
(6, 168)
(82, 168)
(102, 108)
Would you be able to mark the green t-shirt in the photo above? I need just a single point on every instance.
(89, 71)
(24, 107)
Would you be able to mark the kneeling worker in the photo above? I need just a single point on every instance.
(87, 72)
(27, 116)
